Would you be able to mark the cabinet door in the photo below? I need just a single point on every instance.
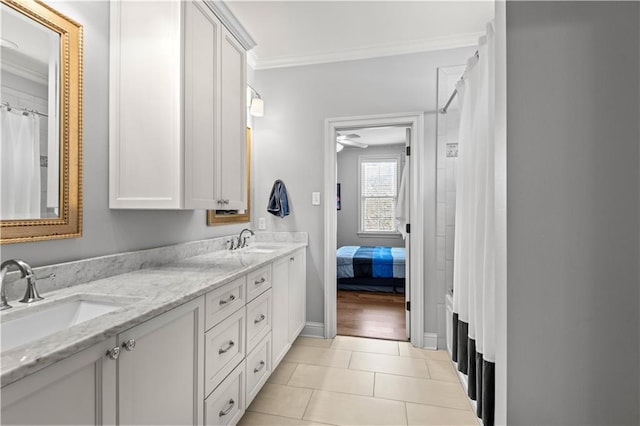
(145, 101)
(160, 381)
(232, 157)
(297, 293)
(201, 104)
(280, 324)
(79, 390)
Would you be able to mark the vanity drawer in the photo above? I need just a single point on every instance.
(224, 349)
(258, 319)
(258, 281)
(226, 405)
(259, 368)
(223, 301)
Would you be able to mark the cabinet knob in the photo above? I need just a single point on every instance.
(259, 319)
(129, 345)
(292, 259)
(113, 353)
(226, 411)
(259, 367)
(229, 346)
(228, 300)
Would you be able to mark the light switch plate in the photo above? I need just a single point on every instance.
(315, 198)
(262, 224)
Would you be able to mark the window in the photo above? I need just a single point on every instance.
(378, 193)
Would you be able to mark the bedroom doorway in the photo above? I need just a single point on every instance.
(372, 195)
(362, 301)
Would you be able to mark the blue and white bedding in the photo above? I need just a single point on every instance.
(371, 262)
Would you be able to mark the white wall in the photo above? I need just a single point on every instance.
(573, 212)
(348, 220)
(289, 138)
(108, 231)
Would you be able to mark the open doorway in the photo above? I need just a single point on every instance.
(373, 201)
(412, 126)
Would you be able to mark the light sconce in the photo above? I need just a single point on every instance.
(256, 104)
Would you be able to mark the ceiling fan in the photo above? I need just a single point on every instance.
(349, 140)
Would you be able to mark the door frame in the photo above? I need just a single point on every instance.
(415, 121)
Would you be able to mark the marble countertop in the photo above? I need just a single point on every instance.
(145, 294)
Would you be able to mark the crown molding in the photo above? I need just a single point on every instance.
(416, 46)
(229, 20)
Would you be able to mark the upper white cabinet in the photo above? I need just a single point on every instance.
(177, 106)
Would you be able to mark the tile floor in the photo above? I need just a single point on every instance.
(359, 381)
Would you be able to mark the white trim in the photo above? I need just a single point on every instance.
(414, 120)
(228, 19)
(313, 329)
(367, 52)
(430, 341)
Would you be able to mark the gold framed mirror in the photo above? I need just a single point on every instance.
(41, 91)
(225, 217)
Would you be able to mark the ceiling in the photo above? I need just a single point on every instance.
(377, 136)
(291, 33)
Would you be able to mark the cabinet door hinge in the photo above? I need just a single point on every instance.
(408, 228)
(408, 151)
(408, 306)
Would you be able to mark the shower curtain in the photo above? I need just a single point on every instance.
(20, 165)
(474, 252)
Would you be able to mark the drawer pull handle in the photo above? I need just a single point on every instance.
(228, 409)
(260, 367)
(260, 281)
(229, 346)
(259, 319)
(229, 300)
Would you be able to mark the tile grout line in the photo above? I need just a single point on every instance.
(304, 413)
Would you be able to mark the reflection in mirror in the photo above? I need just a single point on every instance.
(223, 217)
(40, 116)
(29, 96)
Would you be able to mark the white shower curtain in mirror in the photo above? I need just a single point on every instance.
(20, 165)
(474, 253)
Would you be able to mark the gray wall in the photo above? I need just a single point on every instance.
(108, 231)
(289, 140)
(573, 212)
(347, 218)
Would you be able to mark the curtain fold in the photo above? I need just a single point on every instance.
(474, 244)
(20, 164)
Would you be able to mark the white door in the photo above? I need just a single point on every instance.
(407, 241)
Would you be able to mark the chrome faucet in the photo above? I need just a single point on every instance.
(31, 295)
(241, 241)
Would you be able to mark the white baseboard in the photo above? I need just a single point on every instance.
(313, 329)
(430, 341)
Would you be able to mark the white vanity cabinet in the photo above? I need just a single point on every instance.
(150, 374)
(160, 369)
(177, 118)
(79, 390)
(289, 302)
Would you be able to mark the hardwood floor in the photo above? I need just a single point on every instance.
(367, 314)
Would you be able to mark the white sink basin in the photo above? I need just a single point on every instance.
(58, 315)
(262, 248)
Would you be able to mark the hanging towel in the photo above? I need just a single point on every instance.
(401, 213)
(278, 200)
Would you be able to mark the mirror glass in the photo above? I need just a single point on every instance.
(41, 123)
(223, 217)
(29, 94)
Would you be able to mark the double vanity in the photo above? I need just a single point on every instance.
(186, 342)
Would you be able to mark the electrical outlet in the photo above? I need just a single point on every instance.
(452, 150)
(262, 224)
(315, 198)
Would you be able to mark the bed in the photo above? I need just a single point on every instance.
(367, 268)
